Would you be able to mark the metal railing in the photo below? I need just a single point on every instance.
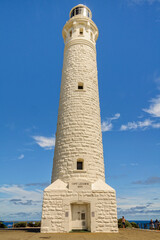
(154, 226)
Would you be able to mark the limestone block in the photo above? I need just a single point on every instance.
(79, 136)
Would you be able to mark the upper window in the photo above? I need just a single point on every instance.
(81, 31)
(80, 164)
(70, 33)
(80, 85)
(91, 35)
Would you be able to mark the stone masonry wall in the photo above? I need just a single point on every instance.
(106, 209)
(79, 124)
(56, 203)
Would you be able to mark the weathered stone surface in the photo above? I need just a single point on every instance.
(79, 138)
(53, 214)
(79, 125)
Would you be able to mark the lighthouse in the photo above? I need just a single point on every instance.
(78, 197)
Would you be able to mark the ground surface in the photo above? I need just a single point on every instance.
(125, 234)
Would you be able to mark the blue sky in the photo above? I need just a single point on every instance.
(128, 58)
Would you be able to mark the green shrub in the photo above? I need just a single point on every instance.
(30, 224)
(34, 224)
(20, 224)
(135, 225)
(37, 224)
(127, 224)
(2, 225)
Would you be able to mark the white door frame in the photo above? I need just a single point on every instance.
(80, 216)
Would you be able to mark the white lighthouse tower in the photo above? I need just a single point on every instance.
(78, 197)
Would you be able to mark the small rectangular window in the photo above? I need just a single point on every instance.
(83, 223)
(91, 35)
(79, 165)
(70, 33)
(83, 217)
(81, 31)
(80, 85)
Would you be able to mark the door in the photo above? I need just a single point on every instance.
(79, 216)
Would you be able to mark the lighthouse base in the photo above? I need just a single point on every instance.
(79, 206)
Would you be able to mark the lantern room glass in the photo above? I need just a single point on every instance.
(80, 11)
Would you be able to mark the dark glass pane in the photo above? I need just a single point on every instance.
(82, 216)
(76, 11)
(80, 10)
(83, 223)
(79, 165)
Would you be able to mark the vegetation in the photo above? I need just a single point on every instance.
(34, 224)
(135, 225)
(25, 224)
(127, 224)
(20, 224)
(2, 225)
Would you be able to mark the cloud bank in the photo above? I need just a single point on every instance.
(149, 181)
(20, 203)
(143, 125)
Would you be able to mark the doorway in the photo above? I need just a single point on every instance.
(80, 216)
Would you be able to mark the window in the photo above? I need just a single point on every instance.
(81, 31)
(83, 217)
(70, 33)
(80, 85)
(91, 35)
(83, 223)
(80, 164)
(80, 10)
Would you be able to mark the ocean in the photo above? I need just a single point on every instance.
(142, 224)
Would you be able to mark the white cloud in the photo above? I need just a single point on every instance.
(134, 164)
(116, 116)
(107, 125)
(156, 125)
(153, 111)
(47, 143)
(154, 108)
(18, 202)
(21, 156)
(16, 191)
(140, 125)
